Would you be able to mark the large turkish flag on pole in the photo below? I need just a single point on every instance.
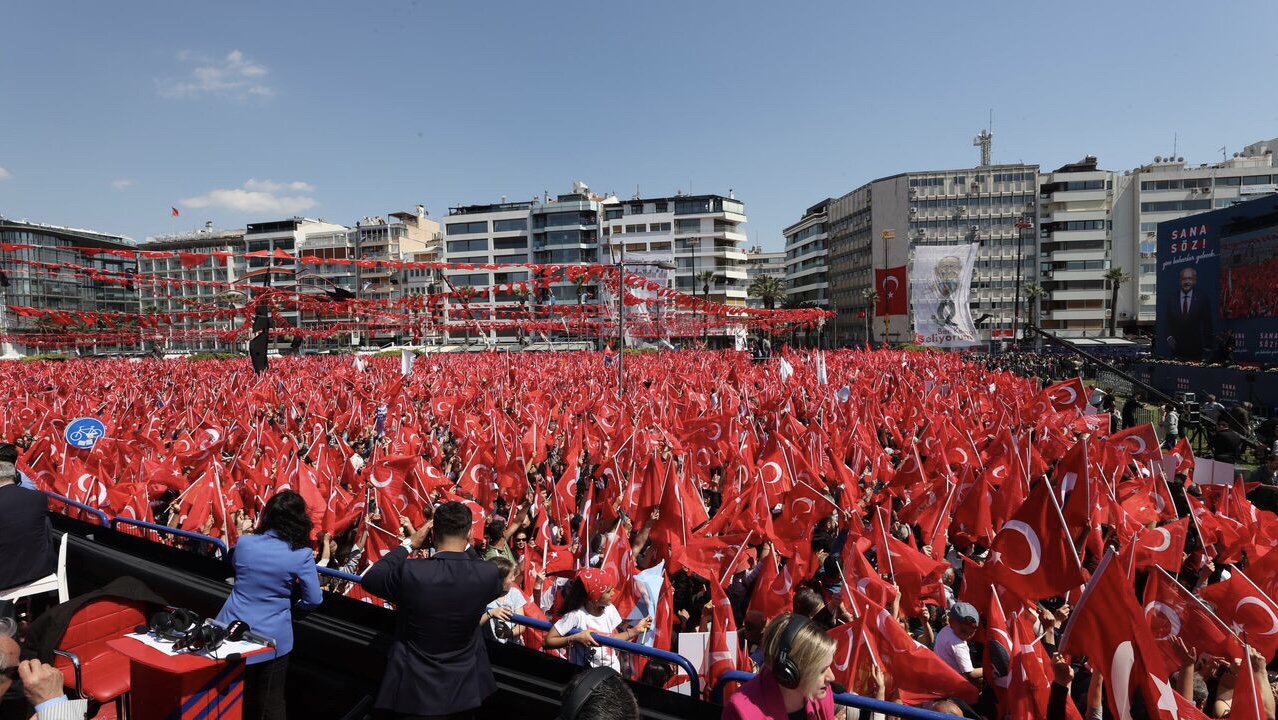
(890, 283)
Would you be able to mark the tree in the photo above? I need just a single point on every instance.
(1033, 291)
(1115, 277)
(768, 289)
(871, 297)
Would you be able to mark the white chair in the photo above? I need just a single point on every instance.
(49, 583)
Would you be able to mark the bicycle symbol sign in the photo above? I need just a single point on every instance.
(83, 432)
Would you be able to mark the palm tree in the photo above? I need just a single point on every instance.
(1033, 291)
(768, 289)
(705, 277)
(1115, 277)
(872, 301)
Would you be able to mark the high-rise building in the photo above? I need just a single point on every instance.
(703, 232)
(806, 272)
(1075, 250)
(1168, 189)
(478, 235)
(190, 286)
(878, 224)
(290, 238)
(27, 285)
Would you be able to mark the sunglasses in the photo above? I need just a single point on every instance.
(521, 539)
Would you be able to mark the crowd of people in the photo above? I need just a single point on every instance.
(908, 526)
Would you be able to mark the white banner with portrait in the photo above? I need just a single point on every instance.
(642, 325)
(940, 283)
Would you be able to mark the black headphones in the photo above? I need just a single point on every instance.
(174, 624)
(580, 694)
(205, 636)
(785, 670)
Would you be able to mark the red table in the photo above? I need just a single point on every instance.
(181, 687)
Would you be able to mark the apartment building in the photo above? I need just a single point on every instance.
(806, 255)
(194, 286)
(29, 286)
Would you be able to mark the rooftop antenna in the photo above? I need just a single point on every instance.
(1223, 156)
(1175, 143)
(985, 141)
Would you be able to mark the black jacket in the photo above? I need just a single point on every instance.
(26, 552)
(438, 663)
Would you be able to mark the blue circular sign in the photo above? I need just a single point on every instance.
(83, 432)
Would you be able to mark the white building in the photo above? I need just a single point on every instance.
(1168, 189)
(761, 263)
(196, 288)
(479, 235)
(1074, 250)
(806, 272)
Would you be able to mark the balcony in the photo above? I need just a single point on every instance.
(1087, 314)
(1076, 235)
(1080, 295)
(1078, 274)
(1078, 255)
(1079, 196)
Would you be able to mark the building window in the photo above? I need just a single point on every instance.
(460, 246)
(516, 243)
(466, 228)
(510, 225)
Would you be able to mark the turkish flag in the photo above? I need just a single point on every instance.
(1163, 546)
(890, 283)
(1247, 704)
(1245, 609)
(1172, 611)
(917, 672)
(1032, 554)
(1140, 442)
(1106, 627)
(1066, 394)
(773, 591)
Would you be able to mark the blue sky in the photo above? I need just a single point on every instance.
(246, 111)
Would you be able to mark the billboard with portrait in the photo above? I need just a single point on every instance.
(1218, 285)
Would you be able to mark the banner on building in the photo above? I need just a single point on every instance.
(940, 282)
(890, 284)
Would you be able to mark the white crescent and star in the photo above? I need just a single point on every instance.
(1166, 543)
(895, 285)
(1273, 620)
(1121, 676)
(1035, 548)
(1173, 618)
(771, 464)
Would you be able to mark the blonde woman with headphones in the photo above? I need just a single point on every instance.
(794, 682)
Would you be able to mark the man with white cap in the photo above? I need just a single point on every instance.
(951, 643)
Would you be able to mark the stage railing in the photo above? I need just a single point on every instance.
(875, 705)
(97, 514)
(218, 546)
(694, 680)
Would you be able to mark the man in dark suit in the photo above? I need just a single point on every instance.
(25, 551)
(438, 665)
(1189, 319)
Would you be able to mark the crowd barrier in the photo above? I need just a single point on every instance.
(221, 550)
(83, 509)
(694, 680)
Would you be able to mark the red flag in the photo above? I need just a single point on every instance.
(1172, 611)
(890, 282)
(1245, 608)
(1032, 555)
(1247, 704)
(174, 212)
(1107, 627)
(722, 658)
(1163, 546)
(1140, 441)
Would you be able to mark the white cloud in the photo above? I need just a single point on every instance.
(5, 174)
(274, 187)
(258, 197)
(234, 76)
(122, 184)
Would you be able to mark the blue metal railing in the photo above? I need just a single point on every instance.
(636, 648)
(100, 516)
(217, 544)
(849, 699)
(337, 574)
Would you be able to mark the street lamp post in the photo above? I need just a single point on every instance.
(1022, 226)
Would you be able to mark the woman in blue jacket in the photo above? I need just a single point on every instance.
(274, 574)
